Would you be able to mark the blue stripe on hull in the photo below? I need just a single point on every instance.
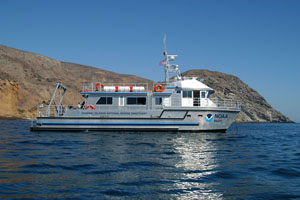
(116, 124)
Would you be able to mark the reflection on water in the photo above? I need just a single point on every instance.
(197, 158)
(255, 161)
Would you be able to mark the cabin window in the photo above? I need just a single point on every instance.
(136, 101)
(187, 94)
(105, 101)
(203, 94)
(208, 94)
(158, 101)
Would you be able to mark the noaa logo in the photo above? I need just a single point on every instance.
(209, 117)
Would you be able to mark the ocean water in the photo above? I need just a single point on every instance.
(249, 161)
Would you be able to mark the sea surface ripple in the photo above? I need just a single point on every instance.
(249, 161)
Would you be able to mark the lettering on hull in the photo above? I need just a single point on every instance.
(215, 118)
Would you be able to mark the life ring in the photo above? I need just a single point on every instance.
(90, 105)
(98, 85)
(158, 88)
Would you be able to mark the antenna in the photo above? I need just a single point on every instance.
(165, 45)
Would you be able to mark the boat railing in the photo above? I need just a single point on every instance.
(132, 108)
(217, 102)
(53, 111)
(226, 103)
(114, 87)
(59, 111)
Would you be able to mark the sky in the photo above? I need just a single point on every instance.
(256, 40)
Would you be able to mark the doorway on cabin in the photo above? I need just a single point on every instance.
(196, 97)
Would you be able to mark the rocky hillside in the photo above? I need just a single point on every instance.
(254, 107)
(28, 79)
(37, 76)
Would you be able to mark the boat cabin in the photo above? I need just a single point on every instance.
(183, 93)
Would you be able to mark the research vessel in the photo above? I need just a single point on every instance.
(176, 104)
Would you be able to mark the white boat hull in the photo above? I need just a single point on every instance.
(182, 120)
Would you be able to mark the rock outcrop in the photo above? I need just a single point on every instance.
(9, 99)
(254, 107)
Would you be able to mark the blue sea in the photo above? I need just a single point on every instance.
(249, 161)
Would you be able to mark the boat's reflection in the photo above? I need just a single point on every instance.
(197, 161)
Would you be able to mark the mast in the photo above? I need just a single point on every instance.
(170, 68)
(166, 60)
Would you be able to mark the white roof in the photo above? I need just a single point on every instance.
(191, 84)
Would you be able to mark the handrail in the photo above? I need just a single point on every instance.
(226, 103)
(51, 110)
(91, 87)
(217, 102)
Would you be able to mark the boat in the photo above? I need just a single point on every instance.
(178, 104)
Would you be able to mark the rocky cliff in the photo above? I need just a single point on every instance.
(29, 79)
(8, 99)
(254, 107)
